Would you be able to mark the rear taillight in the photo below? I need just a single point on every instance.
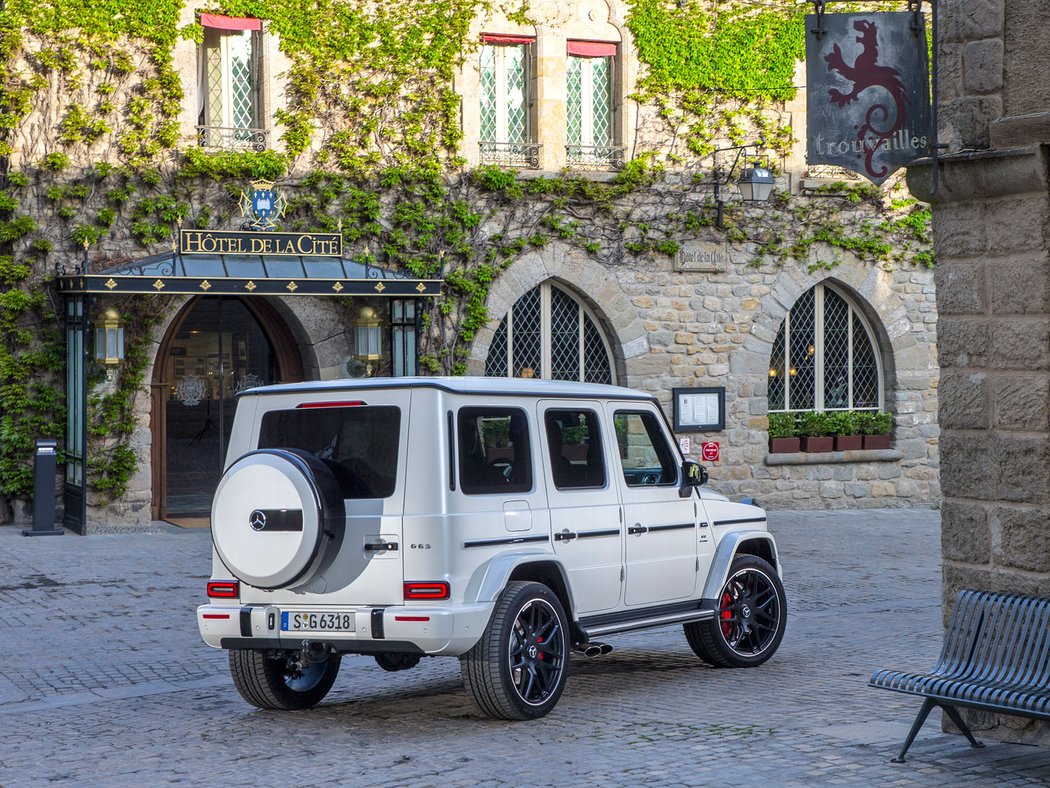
(224, 589)
(419, 590)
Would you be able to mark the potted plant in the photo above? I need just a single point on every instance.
(875, 427)
(815, 430)
(844, 428)
(783, 433)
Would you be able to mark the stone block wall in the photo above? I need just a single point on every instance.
(671, 329)
(991, 215)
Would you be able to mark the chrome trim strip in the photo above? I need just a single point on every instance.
(509, 540)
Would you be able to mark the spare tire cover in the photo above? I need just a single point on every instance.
(268, 517)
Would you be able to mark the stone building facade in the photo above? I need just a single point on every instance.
(709, 310)
(990, 221)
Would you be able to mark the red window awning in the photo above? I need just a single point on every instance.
(590, 48)
(230, 22)
(506, 39)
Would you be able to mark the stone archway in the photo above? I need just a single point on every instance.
(590, 280)
(215, 346)
(872, 291)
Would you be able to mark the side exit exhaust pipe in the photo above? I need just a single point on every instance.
(593, 649)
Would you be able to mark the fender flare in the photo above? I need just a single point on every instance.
(492, 576)
(726, 551)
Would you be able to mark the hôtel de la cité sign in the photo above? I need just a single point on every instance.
(260, 243)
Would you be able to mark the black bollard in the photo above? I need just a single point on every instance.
(45, 466)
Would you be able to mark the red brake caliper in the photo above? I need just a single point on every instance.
(726, 615)
(540, 655)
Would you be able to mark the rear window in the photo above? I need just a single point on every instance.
(494, 455)
(359, 444)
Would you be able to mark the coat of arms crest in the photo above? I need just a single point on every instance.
(263, 204)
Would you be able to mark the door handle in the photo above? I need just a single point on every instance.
(565, 536)
(380, 547)
(637, 528)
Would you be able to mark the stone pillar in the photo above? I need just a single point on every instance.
(549, 113)
(990, 220)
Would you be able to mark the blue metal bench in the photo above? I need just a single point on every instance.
(996, 657)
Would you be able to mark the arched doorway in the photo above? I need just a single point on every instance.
(216, 347)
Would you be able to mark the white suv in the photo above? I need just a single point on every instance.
(504, 522)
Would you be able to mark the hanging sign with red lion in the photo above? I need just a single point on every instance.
(868, 105)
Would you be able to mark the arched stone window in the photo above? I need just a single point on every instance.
(550, 334)
(824, 357)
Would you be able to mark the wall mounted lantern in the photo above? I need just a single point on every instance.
(755, 182)
(368, 339)
(109, 340)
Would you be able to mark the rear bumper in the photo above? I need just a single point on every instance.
(414, 630)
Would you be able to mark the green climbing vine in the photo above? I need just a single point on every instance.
(370, 144)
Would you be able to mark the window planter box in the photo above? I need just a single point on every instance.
(876, 441)
(848, 442)
(823, 443)
(783, 445)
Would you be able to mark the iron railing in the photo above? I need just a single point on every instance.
(511, 154)
(605, 157)
(225, 138)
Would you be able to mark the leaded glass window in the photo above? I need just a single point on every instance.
(824, 357)
(504, 99)
(549, 334)
(230, 111)
(589, 101)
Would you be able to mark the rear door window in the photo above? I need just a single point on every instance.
(575, 447)
(494, 453)
(359, 444)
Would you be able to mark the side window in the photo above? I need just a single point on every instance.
(494, 454)
(229, 111)
(590, 128)
(575, 447)
(507, 129)
(645, 456)
(358, 444)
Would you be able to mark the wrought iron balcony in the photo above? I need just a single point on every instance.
(224, 138)
(605, 157)
(511, 154)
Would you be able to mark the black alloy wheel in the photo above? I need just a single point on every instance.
(536, 651)
(517, 669)
(749, 621)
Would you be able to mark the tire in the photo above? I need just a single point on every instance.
(749, 621)
(267, 683)
(517, 670)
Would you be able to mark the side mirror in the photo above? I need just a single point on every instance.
(693, 475)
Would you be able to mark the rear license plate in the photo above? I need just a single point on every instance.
(314, 621)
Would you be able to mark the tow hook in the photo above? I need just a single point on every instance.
(312, 651)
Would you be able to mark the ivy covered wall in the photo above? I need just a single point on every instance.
(95, 164)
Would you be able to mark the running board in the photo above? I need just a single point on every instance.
(646, 623)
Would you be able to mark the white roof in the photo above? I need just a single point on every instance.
(513, 387)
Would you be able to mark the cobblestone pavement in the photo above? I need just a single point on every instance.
(104, 681)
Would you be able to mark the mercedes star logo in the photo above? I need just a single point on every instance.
(257, 520)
